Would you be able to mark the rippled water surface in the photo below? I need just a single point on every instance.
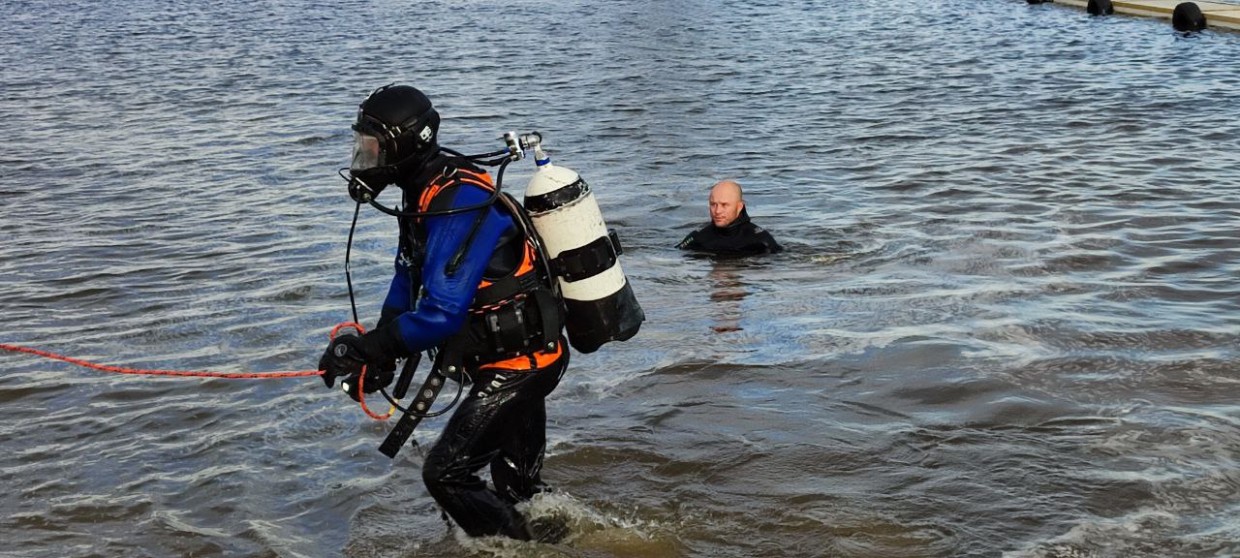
(1006, 323)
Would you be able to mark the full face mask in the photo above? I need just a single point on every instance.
(395, 132)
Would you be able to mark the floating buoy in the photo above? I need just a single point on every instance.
(1100, 7)
(1039, 1)
(1188, 17)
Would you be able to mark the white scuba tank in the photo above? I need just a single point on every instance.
(584, 257)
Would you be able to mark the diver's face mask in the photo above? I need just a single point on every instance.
(366, 152)
(381, 151)
(368, 175)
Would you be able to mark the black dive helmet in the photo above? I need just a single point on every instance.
(395, 133)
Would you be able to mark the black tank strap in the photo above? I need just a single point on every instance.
(589, 260)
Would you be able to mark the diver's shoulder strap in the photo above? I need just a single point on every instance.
(522, 217)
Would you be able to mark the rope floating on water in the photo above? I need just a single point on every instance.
(153, 372)
(210, 374)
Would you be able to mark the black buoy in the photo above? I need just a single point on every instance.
(1188, 17)
(1038, 1)
(1100, 7)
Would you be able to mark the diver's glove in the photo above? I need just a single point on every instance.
(378, 350)
(343, 357)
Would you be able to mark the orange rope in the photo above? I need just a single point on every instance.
(147, 372)
(361, 378)
(361, 381)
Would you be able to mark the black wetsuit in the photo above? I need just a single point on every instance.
(742, 237)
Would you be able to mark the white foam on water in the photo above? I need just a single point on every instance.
(589, 529)
(1129, 535)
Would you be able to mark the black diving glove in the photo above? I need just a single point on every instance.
(378, 350)
(343, 357)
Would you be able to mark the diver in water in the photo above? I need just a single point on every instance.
(469, 284)
(730, 232)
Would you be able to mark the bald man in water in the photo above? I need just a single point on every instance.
(730, 232)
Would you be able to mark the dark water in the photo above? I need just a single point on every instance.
(1006, 325)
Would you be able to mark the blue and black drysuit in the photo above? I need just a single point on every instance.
(502, 422)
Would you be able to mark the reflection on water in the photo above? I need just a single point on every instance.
(727, 291)
(1006, 323)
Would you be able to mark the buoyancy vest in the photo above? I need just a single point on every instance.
(515, 318)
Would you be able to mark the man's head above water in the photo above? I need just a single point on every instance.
(726, 202)
(730, 231)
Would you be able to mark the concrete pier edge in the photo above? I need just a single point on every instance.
(1219, 15)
